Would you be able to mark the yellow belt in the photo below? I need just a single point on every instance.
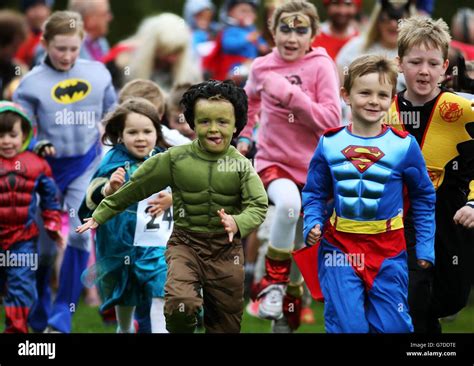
(366, 227)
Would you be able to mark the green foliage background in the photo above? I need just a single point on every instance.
(87, 320)
(128, 14)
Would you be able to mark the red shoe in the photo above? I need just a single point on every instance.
(252, 308)
(276, 272)
(136, 326)
(307, 316)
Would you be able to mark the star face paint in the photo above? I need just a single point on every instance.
(214, 123)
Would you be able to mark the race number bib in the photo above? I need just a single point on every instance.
(153, 231)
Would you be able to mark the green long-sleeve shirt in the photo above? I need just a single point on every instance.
(202, 183)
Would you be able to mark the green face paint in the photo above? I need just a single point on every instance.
(214, 123)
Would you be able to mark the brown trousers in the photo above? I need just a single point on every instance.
(207, 262)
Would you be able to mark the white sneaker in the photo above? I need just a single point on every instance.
(271, 305)
(281, 326)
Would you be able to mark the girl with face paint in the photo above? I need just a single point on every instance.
(294, 91)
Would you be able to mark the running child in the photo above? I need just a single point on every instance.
(23, 176)
(217, 199)
(364, 167)
(130, 247)
(441, 123)
(150, 91)
(294, 89)
(66, 98)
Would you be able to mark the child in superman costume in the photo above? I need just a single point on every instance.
(364, 167)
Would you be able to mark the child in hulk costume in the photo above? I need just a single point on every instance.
(217, 199)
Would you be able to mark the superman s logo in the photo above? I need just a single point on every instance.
(70, 91)
(362, 157)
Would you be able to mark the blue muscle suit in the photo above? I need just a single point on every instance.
(362, 257)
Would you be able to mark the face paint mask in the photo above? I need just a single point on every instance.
(299, 30)
(214, 124)
(296, 23)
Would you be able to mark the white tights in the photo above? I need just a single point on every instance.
(287, 200)
(157, 316)
(125, 318)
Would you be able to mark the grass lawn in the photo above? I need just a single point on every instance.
(88, 320)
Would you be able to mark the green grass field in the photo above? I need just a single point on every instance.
(88, 320)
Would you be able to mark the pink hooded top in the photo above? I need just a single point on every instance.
(297, 101)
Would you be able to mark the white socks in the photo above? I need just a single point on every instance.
(157, 317)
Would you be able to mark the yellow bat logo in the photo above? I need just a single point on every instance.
(70, 91)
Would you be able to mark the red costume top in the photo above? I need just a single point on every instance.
(23, 178)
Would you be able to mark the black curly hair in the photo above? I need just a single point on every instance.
(212, 88)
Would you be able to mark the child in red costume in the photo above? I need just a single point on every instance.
(23, 175)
